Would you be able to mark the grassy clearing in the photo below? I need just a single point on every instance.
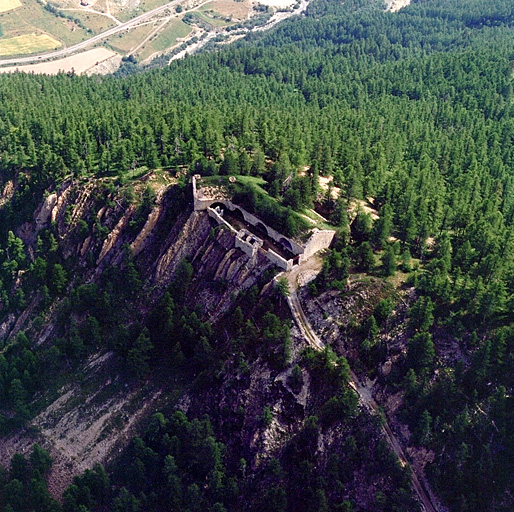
(213, 181)
(316, 220)
(253, 180)
(148, 5)
(238, 10)
(96, 22)
(125, 41)
(212, 18)
(166, 38)
(143, 6)
(9, 5)
(28, 43)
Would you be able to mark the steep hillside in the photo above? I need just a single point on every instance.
(124, 313)
(125, 335)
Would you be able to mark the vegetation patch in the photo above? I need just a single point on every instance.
(237, 10)
(94, 22)
(28, 43)
(213, 18)
(32, 17)
(124, 42)
(166, 38)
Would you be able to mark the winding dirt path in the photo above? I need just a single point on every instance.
(92, 11)
(364, 390)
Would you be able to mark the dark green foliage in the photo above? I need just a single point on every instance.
(161, 470)
(282, 218)
(421, 314)
(421, 352)
(295, 379)
(383, 310)
(364, 257)
(23, 487)
(362, 227)
(413, 109)
(389, 261)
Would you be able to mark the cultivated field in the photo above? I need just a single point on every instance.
(68, 22)
(212, 18)
(28, 43)
(9, 5)
(31, 17)
(280, 4)
(96, 22)
(124, 42)
(238, 10)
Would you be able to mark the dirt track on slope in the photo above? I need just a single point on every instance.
(364, 390)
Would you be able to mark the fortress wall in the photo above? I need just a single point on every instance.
(275, 235)
(249, 249)
(200, 202)
(220, 220)
(278, 260)
(319, 240)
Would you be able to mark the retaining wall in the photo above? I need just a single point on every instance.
(219, 219)
(278, 260)
(320, 239)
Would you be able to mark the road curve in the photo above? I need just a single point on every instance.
(364, 392)
(84, 44)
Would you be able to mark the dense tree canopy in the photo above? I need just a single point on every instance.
(410, 111)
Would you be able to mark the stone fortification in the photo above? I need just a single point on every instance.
(319, 240)
(214, 199)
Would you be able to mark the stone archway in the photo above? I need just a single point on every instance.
(238, 214)
(287, 244)
(219, 205)
(261, 228)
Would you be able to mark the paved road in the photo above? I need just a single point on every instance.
(363, 390)
(91, 41)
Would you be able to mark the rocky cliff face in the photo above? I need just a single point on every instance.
(122, 249)
(98, 226)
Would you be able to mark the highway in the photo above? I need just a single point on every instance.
(64, 52)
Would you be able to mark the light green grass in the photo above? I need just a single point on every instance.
(96, 22)
(253, 180)
(144, 6)
(124, 42)
(31, 17)
(27, 44)
(212, 18)
(167, 38)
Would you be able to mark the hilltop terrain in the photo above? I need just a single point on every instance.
(152, 361)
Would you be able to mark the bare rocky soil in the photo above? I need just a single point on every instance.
(90, 420)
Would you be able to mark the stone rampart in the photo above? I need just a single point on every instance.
(278, 260)
(319, 240)
(249, 243)
(202, 200)
(220, 220)
(294, 247)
